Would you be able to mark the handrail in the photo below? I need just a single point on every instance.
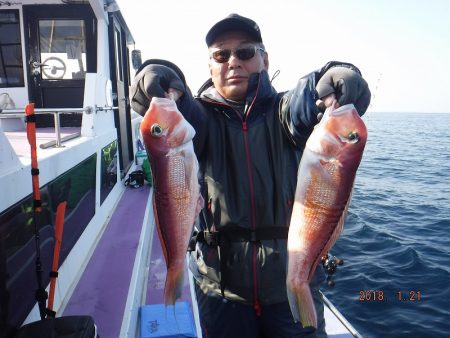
(10, 113)
(52, 143)
(20, 113)
(340, 317)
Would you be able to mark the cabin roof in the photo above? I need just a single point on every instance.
(112, 7)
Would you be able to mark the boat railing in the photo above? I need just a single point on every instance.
(20, 113)
(340, 317)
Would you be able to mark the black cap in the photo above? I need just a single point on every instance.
(234, 22)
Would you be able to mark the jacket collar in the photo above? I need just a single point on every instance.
(259, 86)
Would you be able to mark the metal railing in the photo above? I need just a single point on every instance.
(340, 317)
(20, 113)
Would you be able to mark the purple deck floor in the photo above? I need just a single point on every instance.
(102, 290)
(157, 276)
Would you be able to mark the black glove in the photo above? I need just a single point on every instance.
(154, 80)
(348, 85)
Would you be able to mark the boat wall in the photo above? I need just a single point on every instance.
(85, 171)
(103, 48)
(9, 162)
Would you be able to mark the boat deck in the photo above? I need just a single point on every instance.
(104, 289)
(19, 141)
(157, 277)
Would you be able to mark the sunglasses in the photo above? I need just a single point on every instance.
(242, 53)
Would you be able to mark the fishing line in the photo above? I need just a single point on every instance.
(277, 72)
(367, 117)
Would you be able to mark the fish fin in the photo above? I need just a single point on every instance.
(174, 286)
(302, 305)
(160, 234)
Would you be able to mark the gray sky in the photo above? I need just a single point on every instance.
(401, 46)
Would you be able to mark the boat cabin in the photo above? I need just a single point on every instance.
(72, 59)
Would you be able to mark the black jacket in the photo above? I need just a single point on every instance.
(248, 178)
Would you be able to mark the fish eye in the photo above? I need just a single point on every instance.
(156, 130)
(353, 137)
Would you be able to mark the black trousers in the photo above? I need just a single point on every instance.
(221, 318)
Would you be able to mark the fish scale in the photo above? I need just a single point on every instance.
(325, 180)
(176, 197)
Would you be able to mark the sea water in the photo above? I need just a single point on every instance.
(395, 281)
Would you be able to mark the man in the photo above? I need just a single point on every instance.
(249, 141)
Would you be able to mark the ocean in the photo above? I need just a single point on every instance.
(395, 281)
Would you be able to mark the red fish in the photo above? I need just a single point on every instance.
(326, 174)
(176, 195)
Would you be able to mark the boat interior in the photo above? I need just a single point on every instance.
(73, 61)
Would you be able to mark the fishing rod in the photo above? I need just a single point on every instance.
(59, 225)
(41, 295)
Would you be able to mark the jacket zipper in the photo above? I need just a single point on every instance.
(256, 303)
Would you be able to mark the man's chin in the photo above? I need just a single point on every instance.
(236, 92)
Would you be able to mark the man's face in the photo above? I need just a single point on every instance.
(230, 78)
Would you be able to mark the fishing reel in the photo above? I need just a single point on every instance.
(330, 264)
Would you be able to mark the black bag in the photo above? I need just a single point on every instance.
(135, 179)
(67, 327)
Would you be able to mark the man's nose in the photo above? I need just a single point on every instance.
(234, 61)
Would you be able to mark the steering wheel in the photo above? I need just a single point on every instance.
(54, 68)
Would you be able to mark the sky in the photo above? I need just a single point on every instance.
(402, 47)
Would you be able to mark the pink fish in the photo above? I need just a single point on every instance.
(326, 174)
(176, 195)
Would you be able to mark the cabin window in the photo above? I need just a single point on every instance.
(11, 66)
(63, 49)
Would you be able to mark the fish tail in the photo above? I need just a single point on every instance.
(302, 305)
(174, 286)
